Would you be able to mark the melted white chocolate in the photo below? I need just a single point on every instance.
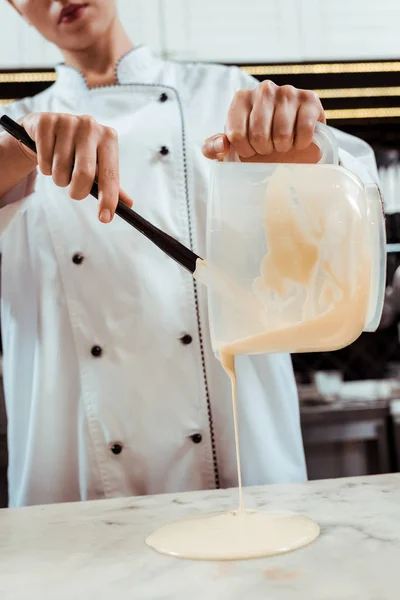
(234, 535)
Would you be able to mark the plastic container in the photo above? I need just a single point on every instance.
(296, 255)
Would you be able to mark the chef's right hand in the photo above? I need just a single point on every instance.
(73, 150)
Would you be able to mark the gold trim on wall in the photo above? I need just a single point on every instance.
(36, 77)
(363, 113)
(368, 92)
(323, 68)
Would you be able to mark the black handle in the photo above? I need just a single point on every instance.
(174, 249)
(18, 132)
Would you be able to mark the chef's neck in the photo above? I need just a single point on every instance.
(98, 62)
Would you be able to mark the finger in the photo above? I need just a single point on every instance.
(261, 119)
(108, 175)
(309, 114)
(283, 127)
(41, 127)
(238, 122)
(63, 154)
(216, 147)
(84, 169)
(123, 196)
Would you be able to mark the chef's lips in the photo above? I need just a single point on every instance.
(169, 245)
(71, 12)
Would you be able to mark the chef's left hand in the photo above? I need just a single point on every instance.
(270, 124)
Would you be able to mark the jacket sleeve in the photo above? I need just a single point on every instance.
(13, 202)
(354, 154)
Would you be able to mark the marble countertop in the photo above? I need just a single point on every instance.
(96, 550)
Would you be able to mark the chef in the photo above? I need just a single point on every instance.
(111, 385)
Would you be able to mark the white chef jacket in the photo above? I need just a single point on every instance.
(111, 384)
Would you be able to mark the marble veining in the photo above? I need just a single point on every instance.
(96, 550)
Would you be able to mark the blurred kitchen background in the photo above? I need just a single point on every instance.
(349, 52)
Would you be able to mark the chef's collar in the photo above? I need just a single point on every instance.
(138, 65)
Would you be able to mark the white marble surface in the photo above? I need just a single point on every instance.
(96, 550)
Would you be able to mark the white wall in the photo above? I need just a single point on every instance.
(142, 21)
(350, 29)
(283, 30)
(21, 45)
(235, 30)
(232, 30)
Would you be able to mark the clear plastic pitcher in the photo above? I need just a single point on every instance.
(296, 255)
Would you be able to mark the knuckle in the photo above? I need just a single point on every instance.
(242, 95)
(110, 134)
(83, 171)
(310, 96)
(307, 127)
(283, 141)
(46, 120)
(88, 124)
(280, 142)
(257, 138)
(89, 120)
(268, 88)
(287, 92)
(111, 173)
(65, 123)
(235, 136)
(49, 117)
(66, 117)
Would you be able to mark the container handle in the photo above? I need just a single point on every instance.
(326, 142)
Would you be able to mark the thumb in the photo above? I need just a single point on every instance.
(29, 123)
(123, 196)
(216, 147)
(104, 212)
